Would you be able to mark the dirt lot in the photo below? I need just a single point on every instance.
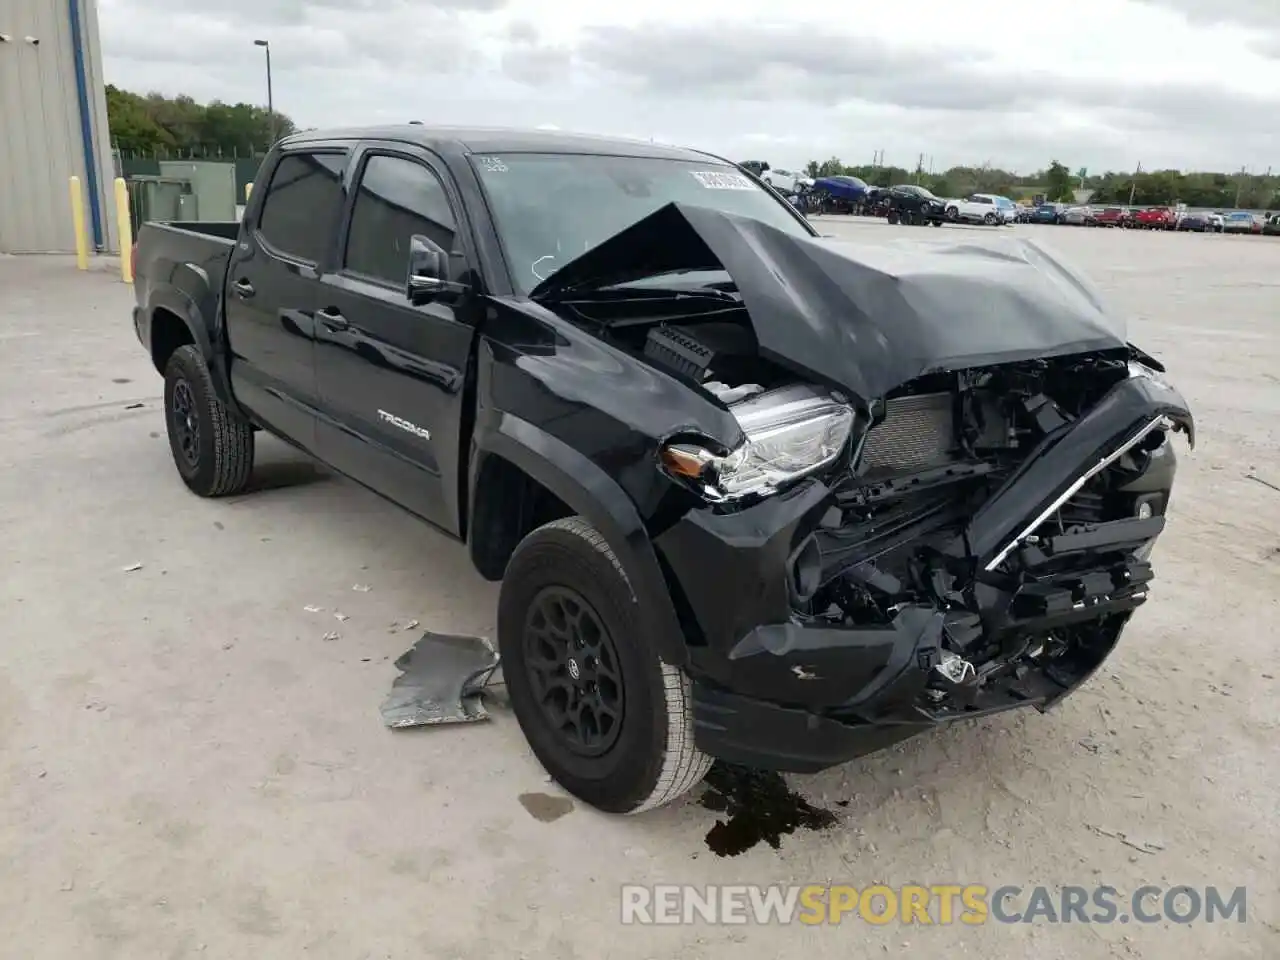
(188, 769)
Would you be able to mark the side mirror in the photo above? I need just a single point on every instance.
(427, 267)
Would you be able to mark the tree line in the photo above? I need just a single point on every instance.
(153, 125)
(1058, 182)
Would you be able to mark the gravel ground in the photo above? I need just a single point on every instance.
(188, 769)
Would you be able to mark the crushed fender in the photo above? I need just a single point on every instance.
(442, 679)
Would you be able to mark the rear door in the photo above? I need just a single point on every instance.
(391, 374)
(271, 287)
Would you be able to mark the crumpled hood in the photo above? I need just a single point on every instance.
(865, 316)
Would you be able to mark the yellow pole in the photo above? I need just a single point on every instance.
(77, 222)
(248, 191)
(125, 228)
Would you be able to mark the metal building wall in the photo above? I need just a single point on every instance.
(41, 141)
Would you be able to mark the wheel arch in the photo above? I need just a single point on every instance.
(510, 450)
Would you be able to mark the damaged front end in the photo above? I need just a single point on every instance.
(952, 478)
(981, 549)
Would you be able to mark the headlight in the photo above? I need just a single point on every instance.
(791, 433)
(1137, 369)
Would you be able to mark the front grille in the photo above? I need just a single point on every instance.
(917, 432)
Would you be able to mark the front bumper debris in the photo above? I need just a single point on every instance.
(1025, 611)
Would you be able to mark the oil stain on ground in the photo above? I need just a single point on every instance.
(758, 807)
(545, 807)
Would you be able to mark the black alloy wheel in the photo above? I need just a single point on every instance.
(185, 423)
(574, 671)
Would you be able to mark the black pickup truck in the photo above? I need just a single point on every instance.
(752, 493)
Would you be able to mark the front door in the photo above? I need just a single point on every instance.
(391, 374)
(271, 288)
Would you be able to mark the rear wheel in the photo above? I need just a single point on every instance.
(953, 213)
(604, 715)
(212, 446)
(989, 219)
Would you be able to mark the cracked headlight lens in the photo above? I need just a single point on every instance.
(791, 433)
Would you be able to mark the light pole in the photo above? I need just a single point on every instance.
(271, 107)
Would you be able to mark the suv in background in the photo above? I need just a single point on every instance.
(976, 208)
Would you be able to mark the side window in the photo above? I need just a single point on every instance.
(302, 204)
(397, 198)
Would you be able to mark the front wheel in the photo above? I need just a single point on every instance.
(989, 219)
(212, 446)
(604, 715)
(953, 213)
(892, 216)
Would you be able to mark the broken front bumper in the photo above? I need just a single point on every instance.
(773, 688)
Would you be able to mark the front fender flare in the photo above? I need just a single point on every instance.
(590, 492)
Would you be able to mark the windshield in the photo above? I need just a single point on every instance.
(550, 208)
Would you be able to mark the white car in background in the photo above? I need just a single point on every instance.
(977, 208)
(784, 181)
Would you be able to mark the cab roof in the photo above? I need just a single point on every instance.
(503, 140)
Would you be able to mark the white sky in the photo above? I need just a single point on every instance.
(1103, 84)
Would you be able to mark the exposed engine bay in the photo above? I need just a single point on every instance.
(920, 464)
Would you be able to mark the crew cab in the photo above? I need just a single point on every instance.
(1156, 218)
(977, 208)
(752, 493)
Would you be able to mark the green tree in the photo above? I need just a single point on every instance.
(161, 125)
(1058, 182)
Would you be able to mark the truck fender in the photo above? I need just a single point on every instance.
(179, 303)
(590, 492)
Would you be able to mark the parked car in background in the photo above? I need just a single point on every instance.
(838, 194)
(786, 182)
(976, 208)
(914, 204)
(1194, 222)
(1272, 227)
(1007, 208)
(1241, 221)
(1081, 216)
(1047, 213)
(1156, 218)
(1109, 217)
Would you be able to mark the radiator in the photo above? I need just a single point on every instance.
(917, 432)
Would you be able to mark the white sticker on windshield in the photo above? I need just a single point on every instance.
(493, 165)
(717, 180)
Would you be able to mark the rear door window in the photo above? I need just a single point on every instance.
(397, 198)
(302, 204)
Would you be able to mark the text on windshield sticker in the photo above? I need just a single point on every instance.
(716, 180)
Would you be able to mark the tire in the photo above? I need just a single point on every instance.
(937, 223)
(953, 213)
(989, 219)
(892, 217)
(646, 757)
(212, 446)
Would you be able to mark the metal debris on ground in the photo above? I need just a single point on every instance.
(1143, 846)
(311, 608)
(1258, 479)
(132, 568)
(361, 587)
(442, 679)
(331, 635)
(339, 615)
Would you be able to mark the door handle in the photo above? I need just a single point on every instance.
(332, 318)
(244, 289)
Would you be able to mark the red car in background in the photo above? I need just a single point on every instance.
(1156, 218)
(1110, 217)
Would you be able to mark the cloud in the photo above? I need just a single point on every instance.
(1167, 82)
